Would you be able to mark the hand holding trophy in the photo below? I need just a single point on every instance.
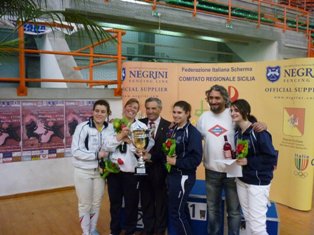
(139, 139)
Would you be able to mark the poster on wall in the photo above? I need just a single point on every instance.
(10, 131)
(43, 129)
(281, 94)
(76, 111)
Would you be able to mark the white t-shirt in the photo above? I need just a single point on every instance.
(213, 127)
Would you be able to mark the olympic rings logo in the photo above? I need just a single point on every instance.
(301, 174)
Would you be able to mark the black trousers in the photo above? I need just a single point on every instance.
(180, 187)
(153, 191)
(123, 186)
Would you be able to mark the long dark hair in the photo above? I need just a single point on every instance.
(245, 109)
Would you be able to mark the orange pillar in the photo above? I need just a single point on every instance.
(118, 90)
(91, 64)
(21, 89)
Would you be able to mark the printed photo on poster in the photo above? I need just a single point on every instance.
(10, 131)
(43, 125)
(76, 111)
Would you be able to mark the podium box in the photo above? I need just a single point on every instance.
(197, 206)
(272, 221)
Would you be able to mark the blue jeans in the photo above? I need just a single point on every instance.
(215, 183)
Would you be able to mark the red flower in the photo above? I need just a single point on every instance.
(123, 126)
(240, 148)
(120, 161)
(168, 144)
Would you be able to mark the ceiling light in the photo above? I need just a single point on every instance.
(212, 39)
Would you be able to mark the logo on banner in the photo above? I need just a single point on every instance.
(217, 130)
(301, 162)
(148, 74)
(233, 93)
(273, 73)
(293, 121)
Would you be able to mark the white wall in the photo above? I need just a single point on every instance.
(28, 176)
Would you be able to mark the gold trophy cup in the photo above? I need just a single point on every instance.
(139, 139)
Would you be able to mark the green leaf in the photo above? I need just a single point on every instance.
(168, 167)
(172, 149)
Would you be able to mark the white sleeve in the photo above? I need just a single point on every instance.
(110, 142)
(78, 147)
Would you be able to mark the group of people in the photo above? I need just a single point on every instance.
(164, 192)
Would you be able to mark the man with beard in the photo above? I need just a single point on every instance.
(214, 125)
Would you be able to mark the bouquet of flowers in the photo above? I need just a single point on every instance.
(169, 148)
(242, 148)
(119, 124)
(106, 167)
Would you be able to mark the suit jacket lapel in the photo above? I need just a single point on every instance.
(160, 128)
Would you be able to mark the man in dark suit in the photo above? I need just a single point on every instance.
(153, 186)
